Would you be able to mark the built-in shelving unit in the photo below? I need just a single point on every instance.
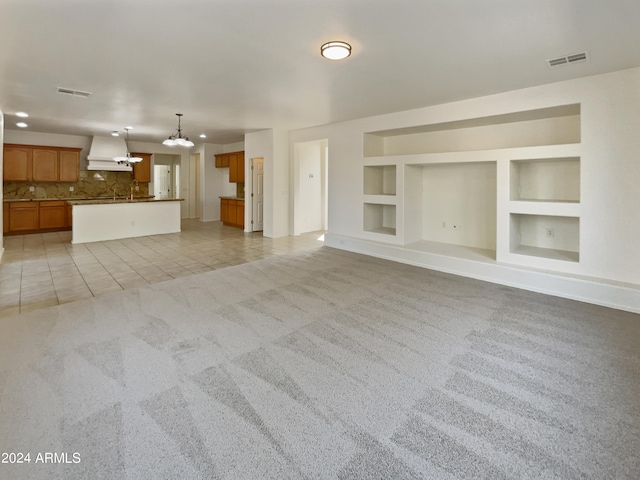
(380, 180)
(498, 188)
(380, 218)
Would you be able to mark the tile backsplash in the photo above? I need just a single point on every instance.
(91, 184)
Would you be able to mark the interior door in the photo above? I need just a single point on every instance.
(162, 181)
(257, 193)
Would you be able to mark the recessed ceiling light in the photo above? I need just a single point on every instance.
(335, 50)
(115, 134)
(22, 114)
(22, 125)
(202, 135)
(128, 128)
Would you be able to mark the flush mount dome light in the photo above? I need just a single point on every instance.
(335, 50)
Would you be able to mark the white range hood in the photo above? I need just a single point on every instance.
(102, 151)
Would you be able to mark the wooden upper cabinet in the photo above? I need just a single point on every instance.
(26, 163)
(222, 160)
(142, 170)
(240, 162)
(236, 167)
(233, 169)
(69, 170)
(45, 165)
(17, 163)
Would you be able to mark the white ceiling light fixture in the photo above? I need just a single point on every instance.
(202, 135)
(22, 125)
(22, 114)
(178, 138)
(127, 159)
(335, 50)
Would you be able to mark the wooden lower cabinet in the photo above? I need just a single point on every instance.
(23, 217)
(5, 217)
(232, 212)
(53, 214)
(36, 216)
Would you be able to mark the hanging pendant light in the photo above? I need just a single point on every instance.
(127, 159)
(178, 138)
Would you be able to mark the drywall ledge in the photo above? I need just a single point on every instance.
(585, 290)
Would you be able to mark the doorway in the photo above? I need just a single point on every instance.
(257, 194)
(310, 186)
(166, 176)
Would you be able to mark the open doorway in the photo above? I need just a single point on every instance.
(310, 186)
(257, 194)
(166, 176)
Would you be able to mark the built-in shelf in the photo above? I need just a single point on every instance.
(546, 179)
(380, 180)
(498, 188)
(379, 218)
(546, 236)
(545, 126)
(452, 203)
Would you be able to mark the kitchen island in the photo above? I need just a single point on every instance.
(107, 219)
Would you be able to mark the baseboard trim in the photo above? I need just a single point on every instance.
(591, 290)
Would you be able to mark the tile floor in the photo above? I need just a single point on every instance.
(42, 270)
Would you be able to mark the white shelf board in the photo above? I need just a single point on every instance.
(550, 253)
(512, 153)
(383, 230)
(381, 199)
(552, 208)
(451, 250)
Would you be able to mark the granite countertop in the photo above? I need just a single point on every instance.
(233, 198)
(110, 200)
(75, 199)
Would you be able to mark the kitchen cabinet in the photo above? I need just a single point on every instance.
(69, 169)
(5, 217)
(17, 163)
(26, 163)
(142, 170)
(35, 216)
(23, 217)
(232, 212)
(45, 165)
(235, 162)
(53, 214)
(236, 167)
(222, 160)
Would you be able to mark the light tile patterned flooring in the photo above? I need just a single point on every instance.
(42, 270)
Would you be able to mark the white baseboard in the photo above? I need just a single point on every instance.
(589, 290)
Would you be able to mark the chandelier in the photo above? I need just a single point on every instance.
(178, 138)
(127, 159)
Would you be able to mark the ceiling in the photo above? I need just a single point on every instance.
(237, 66)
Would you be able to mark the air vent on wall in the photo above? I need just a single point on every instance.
(75, 93)
(566, 60)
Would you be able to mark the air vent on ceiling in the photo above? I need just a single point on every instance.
(566, 60)
(75, 93)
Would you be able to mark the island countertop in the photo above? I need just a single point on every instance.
(111, 201)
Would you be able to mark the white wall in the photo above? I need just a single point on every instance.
(609, 164)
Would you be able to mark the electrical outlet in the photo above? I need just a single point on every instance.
(550, 233)
(32, 189)
(71, 189)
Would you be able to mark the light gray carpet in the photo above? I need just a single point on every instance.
(323, 364)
